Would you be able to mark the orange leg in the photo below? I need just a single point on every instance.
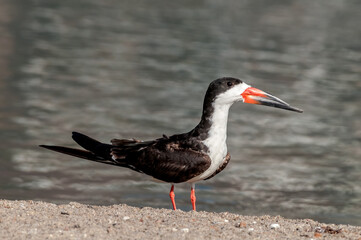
(172, 195)
(193, 197)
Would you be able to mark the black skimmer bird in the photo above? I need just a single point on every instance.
(197, 155)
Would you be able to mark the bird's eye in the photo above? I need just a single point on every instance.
(229, 84)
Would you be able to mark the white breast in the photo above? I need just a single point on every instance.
(217, 135)
(216, 141)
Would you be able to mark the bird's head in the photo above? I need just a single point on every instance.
(227, 91)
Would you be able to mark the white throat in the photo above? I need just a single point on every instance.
(216, 140)
(217, 134)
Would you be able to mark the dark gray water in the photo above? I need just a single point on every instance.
(140, 69)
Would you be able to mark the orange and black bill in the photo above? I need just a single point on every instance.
(255, 96)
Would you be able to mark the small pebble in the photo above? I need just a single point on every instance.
(275, 226)
(174, 229)
(250, 229)
(126, 218)
(317, 235)
(185, 230)
(225, 220)
(242, 224)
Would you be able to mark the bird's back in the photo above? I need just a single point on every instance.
(171, 159)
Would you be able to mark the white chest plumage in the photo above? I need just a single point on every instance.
(216, 140)
(217, 134)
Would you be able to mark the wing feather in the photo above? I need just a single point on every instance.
(179, 165)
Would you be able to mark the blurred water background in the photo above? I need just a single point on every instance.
(141, 68)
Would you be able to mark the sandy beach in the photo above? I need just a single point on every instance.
(41, 220)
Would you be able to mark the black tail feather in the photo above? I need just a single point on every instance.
(96, 151)
(92, 145)
(86, 142)
(72, 151)
(82, 154)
